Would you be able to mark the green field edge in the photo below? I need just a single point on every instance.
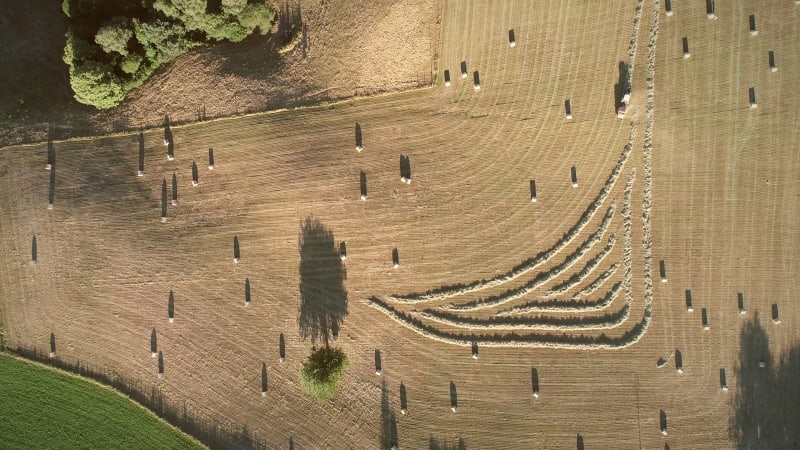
(216, 436)
(8, 353)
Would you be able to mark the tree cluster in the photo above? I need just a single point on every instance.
(115, 46)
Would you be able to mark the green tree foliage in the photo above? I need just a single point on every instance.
(114, 35)
(130, 64)
(115, 46)
(323, 371)
(95, 84)
(162, 40)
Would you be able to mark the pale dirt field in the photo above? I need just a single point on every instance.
(106, 264)
(350, 48)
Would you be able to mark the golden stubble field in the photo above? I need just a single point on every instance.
(702, 182)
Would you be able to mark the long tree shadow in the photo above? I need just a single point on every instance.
(767, 401)
(388, 421)
(323, 297)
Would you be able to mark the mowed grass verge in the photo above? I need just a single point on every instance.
(45, 409)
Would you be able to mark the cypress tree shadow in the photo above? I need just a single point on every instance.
(710, 7)
(52, 345)
(512, 39)
(323, 297)
(678, 361)
(282, 348)
(405, 169)
(210, 159)
(533, 190)
(342, 251)
(475, 349)
(247, 291)
(171, 306)
(153, 343)
(403, 399)
(435, 444)
(662, 420)
(378, 367)
(174, 189)
(236, 253)
(668, 6)
(580, 442)
(767, 401)
(568, 108)
(395, 258)
(160, 365)
(740, 301)
(363, 185)
(335, 331)
(723, 379)
(141, 154)
(52, 194)
(263, 379)
(476, 80)
(662, 269)
(453, 397)
(535, 382)
(33, 250)
(752, 96)
(463, 69)
(689, 300)
(574, 176)
(51, 154)
(168, 138)
(686, 47)
(621, 87)
(195, 175)
(388, 421)
(704, 316)
(164, 201)
(291, 443)
(772, 65)
(775, 318)
(359, 140)
(447, 77)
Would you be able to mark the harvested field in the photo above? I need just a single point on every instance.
(568, 285)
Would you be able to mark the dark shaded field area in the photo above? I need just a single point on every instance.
(767, 404)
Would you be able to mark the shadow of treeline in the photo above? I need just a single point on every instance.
(212, 433)
(388, 421)
(323, 297)
(767, 401)
(435, 444)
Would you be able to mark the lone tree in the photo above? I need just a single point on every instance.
(322, 309)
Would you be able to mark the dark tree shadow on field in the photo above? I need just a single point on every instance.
(435, 444)
(388, 421)
(621, 86)
(767, 402)
(323, 298)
